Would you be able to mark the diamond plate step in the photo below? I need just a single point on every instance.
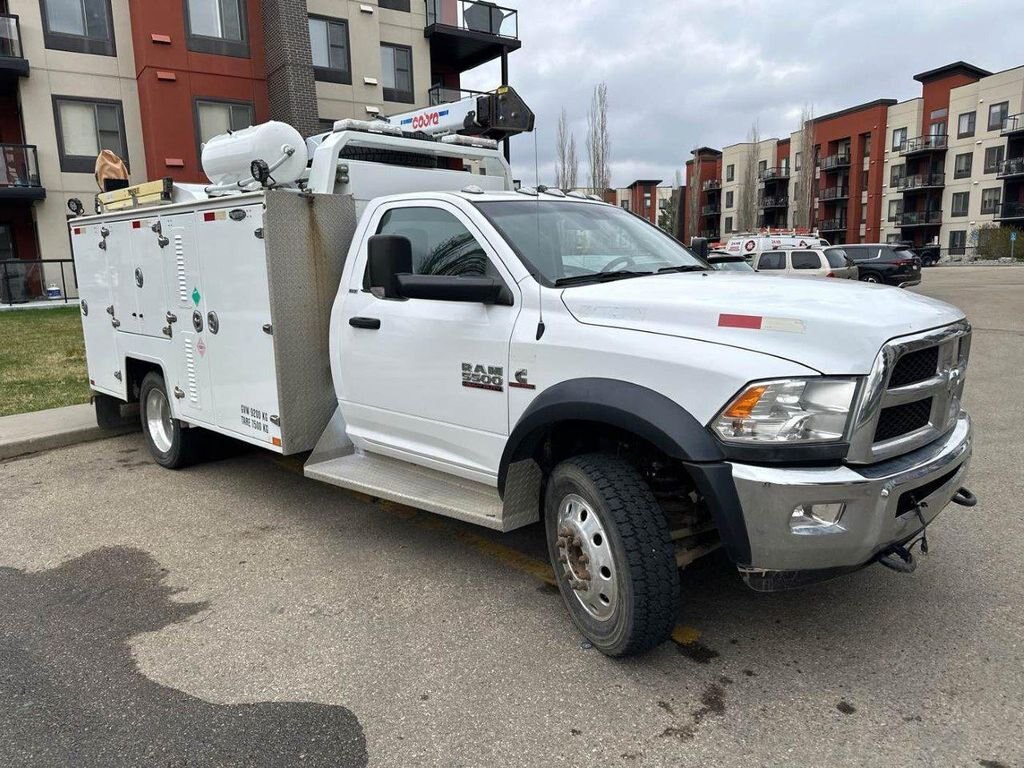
(405, 483)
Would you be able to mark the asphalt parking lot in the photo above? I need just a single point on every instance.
(238, 614)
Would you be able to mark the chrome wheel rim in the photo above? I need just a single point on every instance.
(158, 420)
(870, 279)
(585, 557)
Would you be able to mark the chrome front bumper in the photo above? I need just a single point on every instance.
(868, 525)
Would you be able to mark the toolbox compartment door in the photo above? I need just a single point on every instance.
(96, 299)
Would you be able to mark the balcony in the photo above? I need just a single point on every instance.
(711, 185)
(921, 181)
(1011, 168)
(1014, 124)
(711, 210)
(13, 63)
(709, 234)
(1013, 211)
(467, 33)
(767, 203)
(834, 193)
(832, 162)
(19, 173)
(832, 225)
(920, 145)
(771, 174)
(920, 218)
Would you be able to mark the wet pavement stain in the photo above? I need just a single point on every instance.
(70, 693)
(712, 703)
(846, 708)
(696, 651)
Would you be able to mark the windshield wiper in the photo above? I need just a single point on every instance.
(684, 268)
(599, 277)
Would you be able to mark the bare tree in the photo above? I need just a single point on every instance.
(561, 149)
(746, 213)
(803, 198)
(693, 196)
(572, 165)
(599, 142)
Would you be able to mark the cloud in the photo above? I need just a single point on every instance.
(686, 73)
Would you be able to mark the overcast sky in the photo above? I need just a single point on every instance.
(684, 73)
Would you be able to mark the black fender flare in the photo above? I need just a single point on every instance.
(650, 415)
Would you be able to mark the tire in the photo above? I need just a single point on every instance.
(172, 445)
(870, 277)
(108, 412)
(605, 529)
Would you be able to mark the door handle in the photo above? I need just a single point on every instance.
(369, 323)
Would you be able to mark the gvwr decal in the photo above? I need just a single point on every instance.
(490, 377)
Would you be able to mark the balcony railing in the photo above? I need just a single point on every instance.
(773, 202)
(439, 94)
(1013, 124)
(1012, 167)
(711, 184)
(834, 193)
(25, 280)
(831, 162)
(1010, 211)
(833, 225)
(918, 144)
(710, 234)
(12, 56)
(711, 210)
(474, 16)
(19, 172)
(921, 181)
(920, 218)
(770, 174)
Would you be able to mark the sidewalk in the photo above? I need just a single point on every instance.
(43, 430)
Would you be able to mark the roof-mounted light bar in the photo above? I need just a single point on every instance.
(369, 126)
(470, 141)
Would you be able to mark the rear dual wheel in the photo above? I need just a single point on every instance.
(612, 552)
(172, 444)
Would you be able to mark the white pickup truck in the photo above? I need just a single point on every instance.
(434, 337)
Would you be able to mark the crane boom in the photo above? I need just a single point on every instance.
(495, 114)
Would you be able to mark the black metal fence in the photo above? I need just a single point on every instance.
(29, 280)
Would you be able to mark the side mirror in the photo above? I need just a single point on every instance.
(485, 290)
(700, 246)
(388, 256)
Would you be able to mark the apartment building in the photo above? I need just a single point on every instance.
(644, 197)
(152, 81)
(928, 170)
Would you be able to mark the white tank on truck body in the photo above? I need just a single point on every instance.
(227, 158)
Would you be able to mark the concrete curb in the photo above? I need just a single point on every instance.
(26, 433)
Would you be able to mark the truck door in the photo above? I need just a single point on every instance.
(188, 376)
(429, 383)
(95, 292)
(144, 273)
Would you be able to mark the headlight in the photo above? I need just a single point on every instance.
(787, 411)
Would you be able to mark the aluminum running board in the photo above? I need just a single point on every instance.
(416, 486)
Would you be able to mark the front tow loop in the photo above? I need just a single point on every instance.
(964, 498)
(900, 558)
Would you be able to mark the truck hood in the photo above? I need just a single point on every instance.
(832, 326)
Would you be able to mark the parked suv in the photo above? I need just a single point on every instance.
(809, 262)
(884, 263)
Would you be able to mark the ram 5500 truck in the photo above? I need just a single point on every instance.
(432, 336)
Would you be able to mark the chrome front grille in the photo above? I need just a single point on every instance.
(912, 395)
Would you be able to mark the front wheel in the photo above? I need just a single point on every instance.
(172, 445)
(610, 546)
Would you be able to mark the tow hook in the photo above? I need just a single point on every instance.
(964, 498)
(898, 558)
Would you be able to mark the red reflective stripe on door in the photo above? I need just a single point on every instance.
(740, 321)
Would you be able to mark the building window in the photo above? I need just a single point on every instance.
(867, 144)
(728, 199)
(328, 39)
(961, 201)
(796, 160)
(990, 199)
(892, 238)
(396, 72)
(217, 26)
(863, 211)
(625, 205)
(762, 166)
(864, 180)
(899, 138)
(86, 126)
(965, 125)
(216, 117)
(962, 165)
(958, 242)
(895, 210)
(728, 223)
(730, 172)
(394, 5)
(993, 159)
(82, 26)
(997, 114)
(896, 173)
(7, 243)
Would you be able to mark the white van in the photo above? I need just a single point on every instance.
(750, 246)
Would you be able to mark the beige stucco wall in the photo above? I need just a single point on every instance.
(906, 114)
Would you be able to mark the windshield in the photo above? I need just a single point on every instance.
(561, 241)
(732, 265)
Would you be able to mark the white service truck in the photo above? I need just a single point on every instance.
(435, 337)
